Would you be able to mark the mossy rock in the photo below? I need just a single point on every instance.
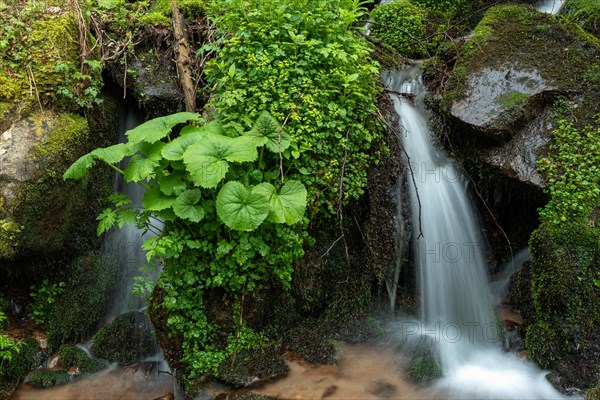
(74, 315)
(424, 369)
(127, 339)
(45, 378)
(593, 393)
(585, 13)
(508, 69)
(252, 368)
(566, 333)
(72, 356)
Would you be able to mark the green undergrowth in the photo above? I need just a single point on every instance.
(585, 13)
(303, 62)
(566, 255)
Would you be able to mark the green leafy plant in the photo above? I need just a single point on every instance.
(8, 347)
(304, 63)
(43, 297)
(226, 222)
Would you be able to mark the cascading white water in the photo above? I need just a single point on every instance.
(124, 245)
(550, 6)
(457, 311)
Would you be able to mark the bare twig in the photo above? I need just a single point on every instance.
(341, 197)
(32, 85)
(331, 247)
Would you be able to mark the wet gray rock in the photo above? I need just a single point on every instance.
(496, 100)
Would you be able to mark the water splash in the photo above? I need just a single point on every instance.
(550, 6)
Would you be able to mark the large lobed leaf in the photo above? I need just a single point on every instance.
(186, 206)
(267, 131)
(241, 209)
(158, 128)
(288, 205)
(207, 160)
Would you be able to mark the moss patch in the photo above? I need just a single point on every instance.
(11, 372)
(585, 13)
(520, 36)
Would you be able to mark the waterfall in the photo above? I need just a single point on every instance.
(550, 6)
(457, 311)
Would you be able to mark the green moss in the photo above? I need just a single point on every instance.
(512, 99)
(585, 13)
(45, 378)
(72, 356)
(593, 393)
(36, 41)
(9, 238)
(75, 313)
(160, 13)
(424, 369)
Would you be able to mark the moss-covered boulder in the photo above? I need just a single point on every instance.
(70, 356)
(45, 378)
(128, 338)
(41, 134)
(502, 93)
(585, 13)
(253, 367)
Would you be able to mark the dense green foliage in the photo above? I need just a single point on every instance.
(301, 61)
(401, 25)
(211, 192)
(11, 371)
(572, 170)
(566, 254)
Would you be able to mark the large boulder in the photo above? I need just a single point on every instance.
(502, 94)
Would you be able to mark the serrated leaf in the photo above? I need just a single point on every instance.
(79, 168)
(158, 128)
(240, 209)
(186, 206)
(112, 154)
(286, 206)
(126, 217)
(267, 131)
(139, 168)
(155, 200)
(173, 184)
(207, 160)
(106, 220)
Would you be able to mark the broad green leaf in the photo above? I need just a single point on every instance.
(152, 151)
(79, 168)
(186, 206)
(155, 200)
(267, 131)
(174, 150)
(112, 154)
(240, 209)
(173, 184)
(286, 206)
(158, 128)
(139, 168)
(207, 160)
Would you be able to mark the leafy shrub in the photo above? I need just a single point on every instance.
(21, 362)
(401, 25)
(44, 297)
(301, 61)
